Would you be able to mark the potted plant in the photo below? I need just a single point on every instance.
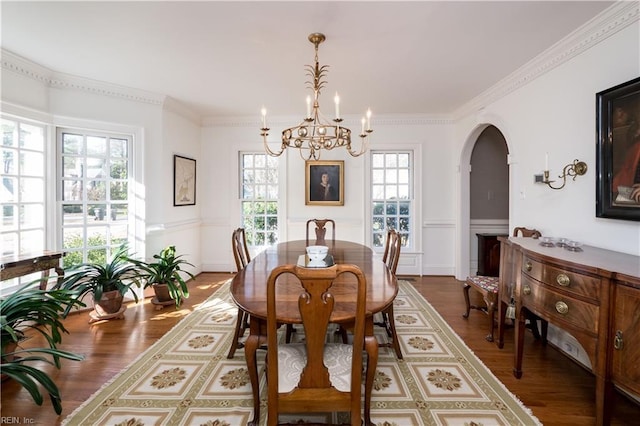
(28, 310)
(107, 283)
(163, 275)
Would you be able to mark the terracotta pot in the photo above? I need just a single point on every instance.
(110, 303)
(162, 292)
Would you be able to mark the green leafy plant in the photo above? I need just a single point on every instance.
(165, 269)
(96, 279)
(31, 309)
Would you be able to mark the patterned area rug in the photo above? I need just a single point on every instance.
(186, 379)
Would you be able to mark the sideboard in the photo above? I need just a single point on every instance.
(591, 293)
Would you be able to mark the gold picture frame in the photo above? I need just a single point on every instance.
(324, 183)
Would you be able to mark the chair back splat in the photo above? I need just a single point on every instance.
(240, 248)
(321, 231)
(315, 376)
(391, 257)
(392, 250)
(242, 258)
(527, 233)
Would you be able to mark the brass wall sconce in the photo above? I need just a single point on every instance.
(575, 169)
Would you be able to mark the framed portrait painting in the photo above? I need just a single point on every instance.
(184, 181)
(324, 183)
(618, 152)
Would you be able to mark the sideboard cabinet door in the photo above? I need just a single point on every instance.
(626, 339)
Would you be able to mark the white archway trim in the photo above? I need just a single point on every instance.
(463, 220)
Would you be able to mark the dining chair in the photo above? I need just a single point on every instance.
(242, 258)
(487, 286)
(315, 376)
(321, 230)
(391, 256)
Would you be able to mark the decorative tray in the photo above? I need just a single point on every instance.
(303, 260)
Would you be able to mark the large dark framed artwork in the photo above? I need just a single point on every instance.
(184, 181)
(324, 183)
(618, 152)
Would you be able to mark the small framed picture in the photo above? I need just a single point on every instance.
(324, 183)
(184, 181)
(618, 152)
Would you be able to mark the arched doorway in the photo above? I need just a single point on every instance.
(489, 171)
(489, 192)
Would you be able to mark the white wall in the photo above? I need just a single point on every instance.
(550, 109)
(34, 92)
(434, 189)
(555, 113)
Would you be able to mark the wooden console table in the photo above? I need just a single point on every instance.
(592, 293)
(23, 264)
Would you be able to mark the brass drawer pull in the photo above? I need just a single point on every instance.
(526, 289)
(562, 307)
(563, 280)
(528, 266)
(618, 343)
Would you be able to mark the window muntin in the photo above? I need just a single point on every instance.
(391, 194)
(259, 198)
(94, 194)
(22, 193)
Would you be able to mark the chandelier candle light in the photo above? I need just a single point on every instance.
(315, 132)
(573, 170)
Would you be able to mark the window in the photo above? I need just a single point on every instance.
(23, 187)
(22, 193)
(94, 194)
(391, 195)
(259, 198)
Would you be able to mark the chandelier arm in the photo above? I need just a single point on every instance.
(266, 145)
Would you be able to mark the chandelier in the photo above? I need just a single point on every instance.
(315, 132)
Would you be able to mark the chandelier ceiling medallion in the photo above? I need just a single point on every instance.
(315, 132)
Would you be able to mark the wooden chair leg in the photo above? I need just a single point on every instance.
(501, 320)
(390, 320)
(343, 333)
(240, 328)
(290, 330)
(467, 303)
(491, 310)
(545, 328)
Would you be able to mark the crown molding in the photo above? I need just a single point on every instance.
(177, 107)
(614, 19)
(19, 65)
(382, 120)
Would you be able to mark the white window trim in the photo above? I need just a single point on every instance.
(137, 241)
(416, 204)
(236, 210)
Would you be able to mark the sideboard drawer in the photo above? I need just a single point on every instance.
(556, 306)
(572, 282)
(533, 268)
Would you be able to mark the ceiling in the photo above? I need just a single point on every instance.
(228, 59)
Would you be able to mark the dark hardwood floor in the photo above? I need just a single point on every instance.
(556, 389)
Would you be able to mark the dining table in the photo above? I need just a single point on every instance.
(249, 291)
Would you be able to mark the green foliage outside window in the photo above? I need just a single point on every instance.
(73, 258)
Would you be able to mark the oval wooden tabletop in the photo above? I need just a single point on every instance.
(248, 287)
